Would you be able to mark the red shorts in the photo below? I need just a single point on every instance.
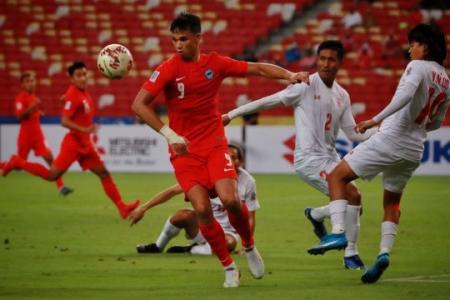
(73, 150)
(36, 142)
(191, 169)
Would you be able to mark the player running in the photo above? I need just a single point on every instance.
(320, 110)
(31, 136)
(198, 146)
(77, 116)
(187, 219)
(419, 105)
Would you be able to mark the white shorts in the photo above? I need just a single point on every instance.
(314, 170)
(372, 157)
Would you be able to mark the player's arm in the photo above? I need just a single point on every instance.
(289, 96)
(348, 124)
(161, 197)
(24, 112)
(275, 72)
(144, 111)
(403, 95)
(68, 123)
(252, 107)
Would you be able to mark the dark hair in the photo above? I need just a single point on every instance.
(75, 66)
(239, 149)
(433, 38)
(332, 45)
(186, 21)
(25, 75)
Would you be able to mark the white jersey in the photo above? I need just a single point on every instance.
(406, 130)
(247, 193)
(319, 113)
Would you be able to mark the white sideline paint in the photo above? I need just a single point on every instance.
(441, 278)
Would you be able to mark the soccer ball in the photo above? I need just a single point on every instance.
(114, 61)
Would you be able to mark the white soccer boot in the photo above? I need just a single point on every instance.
(255, 263)
(231, 277)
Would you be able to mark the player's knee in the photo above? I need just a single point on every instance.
(204, 214)
(182, 217)
(231, 203)
(231, 242)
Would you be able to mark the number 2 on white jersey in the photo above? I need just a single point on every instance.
(328, 122)
(431, 107)
(180, 87)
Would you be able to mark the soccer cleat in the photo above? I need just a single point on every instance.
(13, 163)
(231, 277)
(319, 228)
(181, 249)
(354, 263)
(377, 269)
(334, 241)
(255, 263)
(65, 190)
(128, 208)
(150, 248)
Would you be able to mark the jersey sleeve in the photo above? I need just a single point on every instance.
(232, 67)
(19, 105)
(70, 105)
(159, 78)
(293, 94)
(250, 195)
(414, 74)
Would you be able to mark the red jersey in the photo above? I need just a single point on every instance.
(31, 123)
(190, 90)
(79, 107)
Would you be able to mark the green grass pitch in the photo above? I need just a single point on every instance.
(78, 247)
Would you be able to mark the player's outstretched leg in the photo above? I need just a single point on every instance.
(168, 232)
(333, 241)
(377, 269)
(318, 227)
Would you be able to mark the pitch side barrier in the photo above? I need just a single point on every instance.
(269, 149)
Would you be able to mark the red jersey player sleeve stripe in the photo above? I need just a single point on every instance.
(70, 105)
(159, 78)
(19, 105)
(232, 67)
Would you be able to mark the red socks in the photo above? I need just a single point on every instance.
(59, 183)
(240, 222)
(111, 190)
(215, 236)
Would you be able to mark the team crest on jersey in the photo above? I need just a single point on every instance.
(209, 74)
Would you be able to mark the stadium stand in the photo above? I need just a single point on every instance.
(45, 36)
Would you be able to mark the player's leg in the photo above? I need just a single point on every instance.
(352, 228)
(182, 219)
(395, 179)
(109, 186)
(213, 232)
(44, 151)
(37, 169)
(337, 182)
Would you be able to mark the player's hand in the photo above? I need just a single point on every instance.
(180, 148)
(225, 119)
(136, 215)
(299, 77)
(364, 125)
(92, 128)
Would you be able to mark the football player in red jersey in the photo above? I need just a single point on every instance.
(31, 137)
(77, 116)
(199, 154)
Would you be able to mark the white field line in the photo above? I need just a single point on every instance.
(441, 278)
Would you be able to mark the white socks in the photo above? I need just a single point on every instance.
(352, 229)
(388, 233)
(169, 231)
(337, 215)
(199, 238)
(320, 213)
